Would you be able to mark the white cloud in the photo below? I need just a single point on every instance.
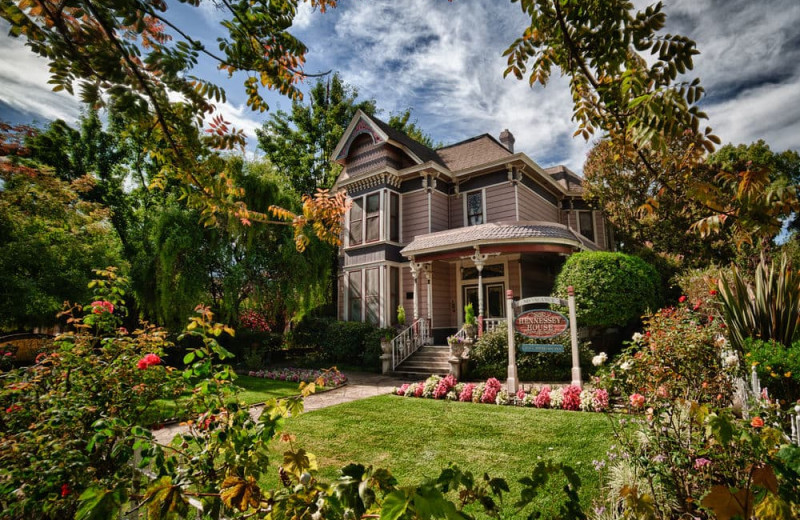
(24, 77)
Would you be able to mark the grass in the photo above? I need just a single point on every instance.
(253, 390)
(416, 438)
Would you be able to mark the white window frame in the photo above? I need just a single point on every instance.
(482, 191)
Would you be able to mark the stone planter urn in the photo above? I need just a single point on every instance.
(471, 330)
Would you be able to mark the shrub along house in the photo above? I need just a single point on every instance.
(432, 230)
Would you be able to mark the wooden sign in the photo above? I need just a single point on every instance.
(553, 349)
(541, 323)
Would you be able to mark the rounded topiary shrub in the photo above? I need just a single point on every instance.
(611, 289)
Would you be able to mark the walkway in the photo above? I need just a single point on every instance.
(359, 386)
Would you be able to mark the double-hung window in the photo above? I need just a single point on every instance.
(365, 219)
(475, 208)
(394, 217)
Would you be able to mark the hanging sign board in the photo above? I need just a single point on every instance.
(553, 349)
(541, 323)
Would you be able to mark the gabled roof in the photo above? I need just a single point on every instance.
(474, 151)
(380, 131)
(570, 181)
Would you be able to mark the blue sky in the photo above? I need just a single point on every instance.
(444, 60)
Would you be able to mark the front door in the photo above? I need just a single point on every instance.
(493, 299)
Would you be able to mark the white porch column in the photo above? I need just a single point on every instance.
(415, 269)
(427, 268)
(479, 260)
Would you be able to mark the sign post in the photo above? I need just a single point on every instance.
(543, 324)
(511, 382)
(573, 333)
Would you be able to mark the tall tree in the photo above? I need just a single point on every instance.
(300, 144)
(50, 239)
(642, 106)
(134, 55)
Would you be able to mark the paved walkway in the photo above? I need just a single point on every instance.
(359, 386)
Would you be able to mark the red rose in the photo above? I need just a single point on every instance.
(152, 359)
(757, 422)
(65, 490)
(142, 364)
(712, 292)
(101, 306)
(682, 299)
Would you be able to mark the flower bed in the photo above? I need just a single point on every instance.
(492, 392)
(331, 377)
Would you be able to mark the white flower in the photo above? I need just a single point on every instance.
(599, 359)
(721, 342)
(625, 366)
(637, 337)
(731, 360)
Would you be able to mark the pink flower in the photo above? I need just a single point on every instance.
(101, 306)
(142, 364)
(402, 389)
(466, 394)
(571, 398)
(600, 399)
(682, 299)
(543, 399)
(148, 360)
(637, 401)
(418, 391)
(701, 463)
(521, 394)
(123, 331)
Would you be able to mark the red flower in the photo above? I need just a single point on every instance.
(682, 299)
(101, 306)
(13, 408)
(148, 360)
(757, 422)
(712, 292)
(65, 490)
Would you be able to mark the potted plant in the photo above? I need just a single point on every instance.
(470, 323)
(456, 346)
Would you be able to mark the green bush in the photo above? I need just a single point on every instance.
(611, 289)
(489, 358)
(777, 366)
(350, 342)
(253, 348)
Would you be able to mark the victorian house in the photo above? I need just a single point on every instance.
(432, 230)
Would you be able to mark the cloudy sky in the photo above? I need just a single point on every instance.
(444, 61)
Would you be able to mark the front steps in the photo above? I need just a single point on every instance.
(424, 362)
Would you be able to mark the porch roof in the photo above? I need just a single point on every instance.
(512, 233)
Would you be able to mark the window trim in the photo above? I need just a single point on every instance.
(482, 191)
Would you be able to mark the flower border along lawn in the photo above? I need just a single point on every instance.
(417, 438)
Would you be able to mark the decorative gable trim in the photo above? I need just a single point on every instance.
(372, 181)
(362, 127)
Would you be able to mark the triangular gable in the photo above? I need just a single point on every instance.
(360, 125)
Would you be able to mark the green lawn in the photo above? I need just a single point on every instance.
(253, 390)
(416, 438)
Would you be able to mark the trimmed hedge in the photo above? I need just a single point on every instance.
(611, 289)
(354, 343)
(489, 358)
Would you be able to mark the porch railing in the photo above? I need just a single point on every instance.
(410, 340)
(489, 324)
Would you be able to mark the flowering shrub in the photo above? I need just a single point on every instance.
(778, 367)
(492, 392)
(680, 355)
(330, 377)
(253, 320)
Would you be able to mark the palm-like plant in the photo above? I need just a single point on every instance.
(767, 308)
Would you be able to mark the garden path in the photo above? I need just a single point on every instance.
(359, 386)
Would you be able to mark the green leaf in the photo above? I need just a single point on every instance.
(188, 358)
(99, 504)
(394, 506)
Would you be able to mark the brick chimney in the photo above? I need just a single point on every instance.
(507, 138)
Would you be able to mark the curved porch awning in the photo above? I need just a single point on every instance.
(512, 237)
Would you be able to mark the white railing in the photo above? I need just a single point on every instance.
(489, 324)
(410, 340)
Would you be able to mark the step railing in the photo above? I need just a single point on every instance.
(410, 340)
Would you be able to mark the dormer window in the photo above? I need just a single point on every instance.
(474, 201)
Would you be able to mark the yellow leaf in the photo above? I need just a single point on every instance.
(727, 505)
